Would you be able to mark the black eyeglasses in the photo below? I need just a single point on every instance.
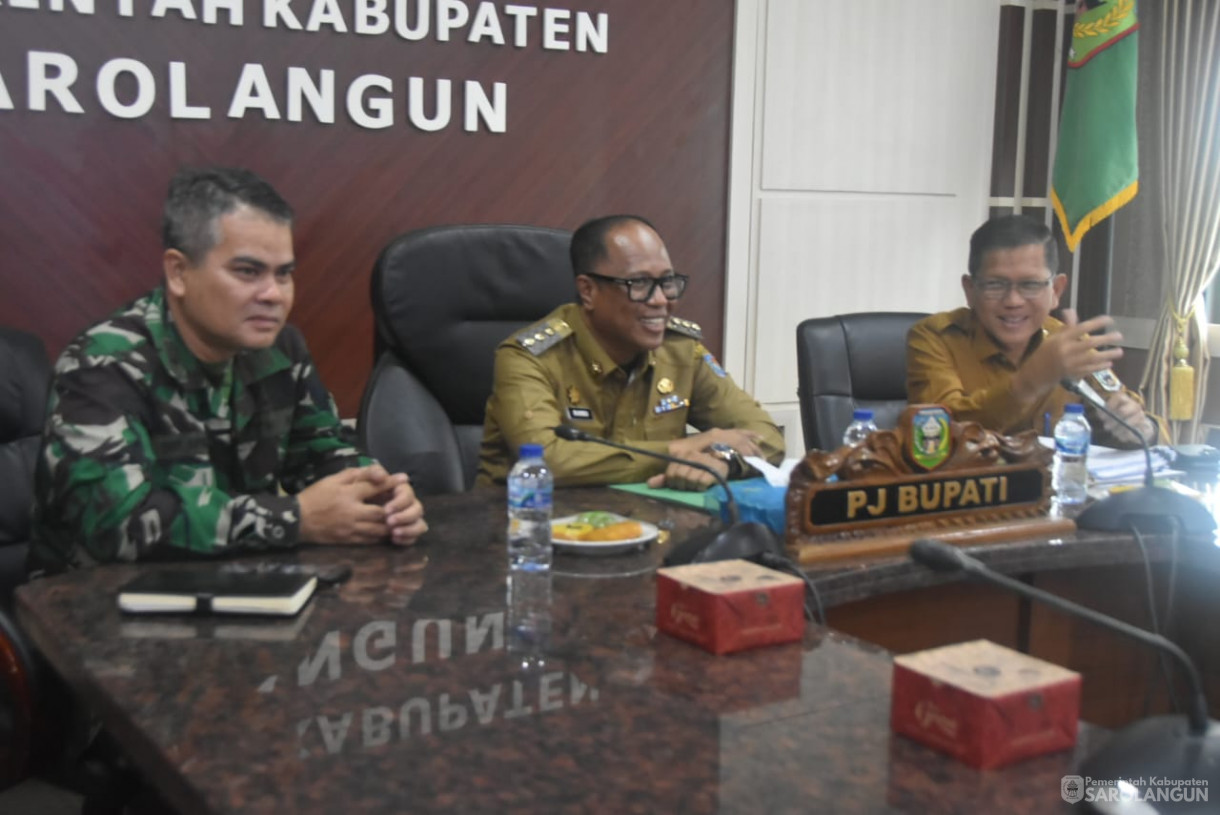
(641, 289)
(995, 288)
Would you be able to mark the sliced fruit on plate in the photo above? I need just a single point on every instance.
(621, 531)
(570, 531)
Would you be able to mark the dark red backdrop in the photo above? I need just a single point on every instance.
(642, 128)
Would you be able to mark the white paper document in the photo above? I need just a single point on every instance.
(1107, 465)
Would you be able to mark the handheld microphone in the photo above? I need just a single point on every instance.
(738, 540)
(1093, 398)
(1169, 746)
(1148, 508)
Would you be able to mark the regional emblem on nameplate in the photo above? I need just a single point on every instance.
(930, 440)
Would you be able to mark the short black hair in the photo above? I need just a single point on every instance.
(198, 196)
(1012, 232)
(589, 240)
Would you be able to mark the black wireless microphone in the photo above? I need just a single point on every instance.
(1091, 396)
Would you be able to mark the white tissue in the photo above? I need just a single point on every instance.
(776, 476)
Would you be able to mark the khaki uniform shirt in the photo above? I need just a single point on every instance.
(555, 372)
(953, 362)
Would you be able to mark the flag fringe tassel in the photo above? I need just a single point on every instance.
(1093, 218)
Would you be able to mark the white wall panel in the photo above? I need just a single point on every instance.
(877, 95)
(837, 255)
(861, 154)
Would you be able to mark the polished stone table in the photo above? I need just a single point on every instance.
(409, 689)
(904, 607)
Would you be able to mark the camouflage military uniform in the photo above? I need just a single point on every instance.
(148, 451)
(555, 372)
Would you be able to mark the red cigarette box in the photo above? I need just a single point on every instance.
(984, 704)
(730, 605)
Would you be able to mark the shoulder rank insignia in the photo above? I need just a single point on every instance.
(685, 327)
(543, 335)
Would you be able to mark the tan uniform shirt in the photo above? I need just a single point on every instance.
(565, 377)
(953, 362)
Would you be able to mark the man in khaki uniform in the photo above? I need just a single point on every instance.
(1000, 361)
(618, 364)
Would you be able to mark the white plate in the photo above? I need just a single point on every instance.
(603, 547)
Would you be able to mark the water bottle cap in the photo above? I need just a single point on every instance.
(1074, 408)
(862, 415)
(531, 451)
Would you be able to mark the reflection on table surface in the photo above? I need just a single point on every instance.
(431, 681)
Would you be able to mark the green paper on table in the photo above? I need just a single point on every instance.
(698, 500)
(756, 499)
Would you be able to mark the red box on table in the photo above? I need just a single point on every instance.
(730, 605)
(984, 704)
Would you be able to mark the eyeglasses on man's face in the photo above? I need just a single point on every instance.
(641, 289)
(995, 288)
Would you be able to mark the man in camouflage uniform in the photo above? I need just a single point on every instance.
(173, 424)
(618, 364)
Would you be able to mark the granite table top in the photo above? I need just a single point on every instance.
(412, 688)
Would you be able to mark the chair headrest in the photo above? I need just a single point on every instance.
(444, 297)
(24, 376)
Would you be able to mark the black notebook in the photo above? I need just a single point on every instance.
(176, 592)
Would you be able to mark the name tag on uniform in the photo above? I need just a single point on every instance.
(580, 414)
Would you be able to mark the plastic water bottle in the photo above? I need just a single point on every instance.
(861, 425)
(529, 617)
(530, 490)
(1071, 474)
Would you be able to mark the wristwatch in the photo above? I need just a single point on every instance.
(722, 451)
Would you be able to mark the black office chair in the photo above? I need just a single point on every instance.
(24, 376)
(851, 361)
(41, 727)
(443, 299)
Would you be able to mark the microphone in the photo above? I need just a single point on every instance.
(570, 433)
(1091, 396)
(738, 540)
(1148, 508)
(1170, 746)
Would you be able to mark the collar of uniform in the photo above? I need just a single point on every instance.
(261, 363)
(984, 347)
(185, 367)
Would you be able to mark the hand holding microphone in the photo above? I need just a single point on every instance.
(1073, 353)
(1124, 411)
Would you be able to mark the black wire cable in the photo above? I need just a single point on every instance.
(1156, 626)
(786, 565)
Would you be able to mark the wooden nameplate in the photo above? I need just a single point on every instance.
(897, 543)
(930, 477)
